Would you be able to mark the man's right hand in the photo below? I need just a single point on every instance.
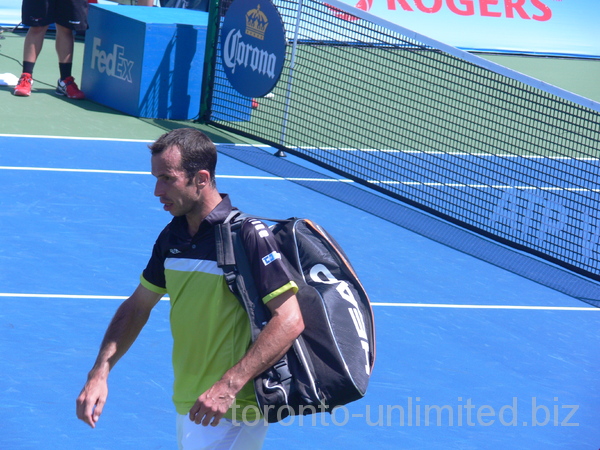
(91, 400)
(122, 331)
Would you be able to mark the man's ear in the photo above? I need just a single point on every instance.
(202, 178)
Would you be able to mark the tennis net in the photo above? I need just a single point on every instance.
(472, 142)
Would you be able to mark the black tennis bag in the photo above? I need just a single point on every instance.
(331, 362)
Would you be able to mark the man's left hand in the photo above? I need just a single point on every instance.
(211, 406)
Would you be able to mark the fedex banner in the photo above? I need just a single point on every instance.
(554, 27)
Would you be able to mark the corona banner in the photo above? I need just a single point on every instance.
(252, 46)
(548, 27)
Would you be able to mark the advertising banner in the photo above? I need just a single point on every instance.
(252, 46)
(549, 27)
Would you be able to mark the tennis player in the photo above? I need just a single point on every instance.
(212, 361)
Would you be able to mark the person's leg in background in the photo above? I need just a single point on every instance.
(65, 43)
(34, 41)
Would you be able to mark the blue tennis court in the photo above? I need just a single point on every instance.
(469, 355)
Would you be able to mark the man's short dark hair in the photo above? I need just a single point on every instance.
(198, 152)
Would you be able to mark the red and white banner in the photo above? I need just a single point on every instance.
(553, 27)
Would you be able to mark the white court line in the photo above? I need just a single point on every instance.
(58, 169)
(328, 180)
(330, 149)
(74, 138)
(482, 186)
(409, 305)
(133, 172)
(344, 180)
(93, 297)
(446, 305)
(438, 152)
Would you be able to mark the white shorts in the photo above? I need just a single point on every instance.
(225, 436)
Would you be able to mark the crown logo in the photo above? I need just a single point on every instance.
(256, 23)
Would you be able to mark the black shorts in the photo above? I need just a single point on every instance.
(68, 13)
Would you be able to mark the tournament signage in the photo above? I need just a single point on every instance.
(552, 27)
(252, 46)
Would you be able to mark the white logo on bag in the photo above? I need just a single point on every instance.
(262, 230)
(317, 273)
(271, 257)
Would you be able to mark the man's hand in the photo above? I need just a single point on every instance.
(122, 331)
(273, 341)
(211, 406)
(91, 401)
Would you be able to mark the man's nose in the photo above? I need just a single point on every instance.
(158, 189)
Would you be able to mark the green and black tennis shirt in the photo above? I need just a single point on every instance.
(210, 329)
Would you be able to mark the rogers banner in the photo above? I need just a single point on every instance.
(552, 27)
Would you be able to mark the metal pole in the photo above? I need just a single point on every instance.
(290, 78)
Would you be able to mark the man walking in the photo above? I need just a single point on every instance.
(213, 363)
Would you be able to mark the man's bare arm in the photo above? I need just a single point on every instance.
(272, 343)
(121, 333)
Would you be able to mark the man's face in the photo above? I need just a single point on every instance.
(179, 195)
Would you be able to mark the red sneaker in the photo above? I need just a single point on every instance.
(23, 87)
(69, 88)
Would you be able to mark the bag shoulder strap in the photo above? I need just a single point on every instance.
(224, 240)
(232, 259)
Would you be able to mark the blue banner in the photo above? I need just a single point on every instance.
(550, 27)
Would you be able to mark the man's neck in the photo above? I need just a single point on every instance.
(195, 218)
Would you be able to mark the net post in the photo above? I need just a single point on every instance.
(290, 78)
